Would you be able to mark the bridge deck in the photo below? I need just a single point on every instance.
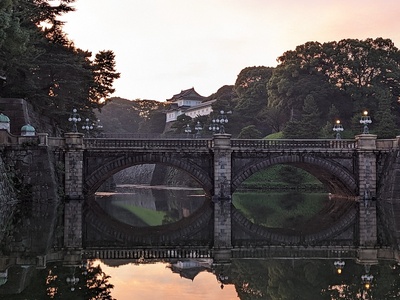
(279, 144)
(201, 145)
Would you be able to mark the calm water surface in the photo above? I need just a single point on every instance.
(284, 278)
(157, 281)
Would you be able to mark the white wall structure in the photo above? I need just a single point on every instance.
(188, 102)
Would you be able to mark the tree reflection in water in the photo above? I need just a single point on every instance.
(87, 281)
(312, 279)
(283, 279)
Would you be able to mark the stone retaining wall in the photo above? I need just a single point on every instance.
(8, 200)
(38, 198)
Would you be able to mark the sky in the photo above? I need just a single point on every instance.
(137, 281)
(165, 46)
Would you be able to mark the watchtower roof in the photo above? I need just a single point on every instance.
(189, 94)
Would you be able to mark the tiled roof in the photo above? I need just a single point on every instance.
(189, 94)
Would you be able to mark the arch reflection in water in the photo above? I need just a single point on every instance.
(144, 205)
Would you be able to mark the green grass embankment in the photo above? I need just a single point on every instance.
(148, 216)
(279, 210)
(282, 178)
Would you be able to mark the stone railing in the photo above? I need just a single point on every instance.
(202, 144)
(148, 253)
(389, 144)
(294, 144)
(93, 143)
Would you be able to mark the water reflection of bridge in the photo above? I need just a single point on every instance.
(351, 168)
(18, 272)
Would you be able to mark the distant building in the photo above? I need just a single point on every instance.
(188, 102)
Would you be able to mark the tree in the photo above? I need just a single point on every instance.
(385, 122)
(43, 66)
(250, 132)
(355, 70)
(290, 85)
(309, 125)
(155, 122)
(104, 74)
(251, 90)
(333, 116)
(274, 117)
(180, 124)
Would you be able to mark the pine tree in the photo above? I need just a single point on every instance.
(308, 127)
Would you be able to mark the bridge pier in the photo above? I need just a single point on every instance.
(73, 190)
(366, 144)
(222, 198)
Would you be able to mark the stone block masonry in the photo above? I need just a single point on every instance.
(222, 192)
(38, 198)
(8, 200)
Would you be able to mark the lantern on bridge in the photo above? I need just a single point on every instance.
(4, 122)
(28, 130)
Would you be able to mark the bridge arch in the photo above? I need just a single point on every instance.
(336, 178)
(110, 230)
(103, 171)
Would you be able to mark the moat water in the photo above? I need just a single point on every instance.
(290, 278)
(333, 277)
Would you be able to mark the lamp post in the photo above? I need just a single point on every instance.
(198, 128)
(367, 278)
(218, 123)
(74, 118)
(339, 265)
(221, 278)
(187, 130)
(365, 120)
(99, 125)
(338, 128)
(72, 281)
(87, 126)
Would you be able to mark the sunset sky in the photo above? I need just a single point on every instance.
(165, 46)
(156, 281)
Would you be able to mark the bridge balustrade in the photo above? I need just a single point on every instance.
(386, 144)
(94, 143)
(285, 144)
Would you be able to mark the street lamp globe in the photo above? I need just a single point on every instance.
(338, 128)
(72, 281)
(218, 123)
(367, 280)
(365, 120)
(198, 128)
(339, 265)
(188, 130)
(74, 118)
(87, 126)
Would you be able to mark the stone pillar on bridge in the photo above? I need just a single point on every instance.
(73, 190)
(222, 198)
(366, 144)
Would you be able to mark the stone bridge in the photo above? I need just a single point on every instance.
(352, 169)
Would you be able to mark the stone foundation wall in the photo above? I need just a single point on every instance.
(39, 199)
(388, 203)
(8, 200)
